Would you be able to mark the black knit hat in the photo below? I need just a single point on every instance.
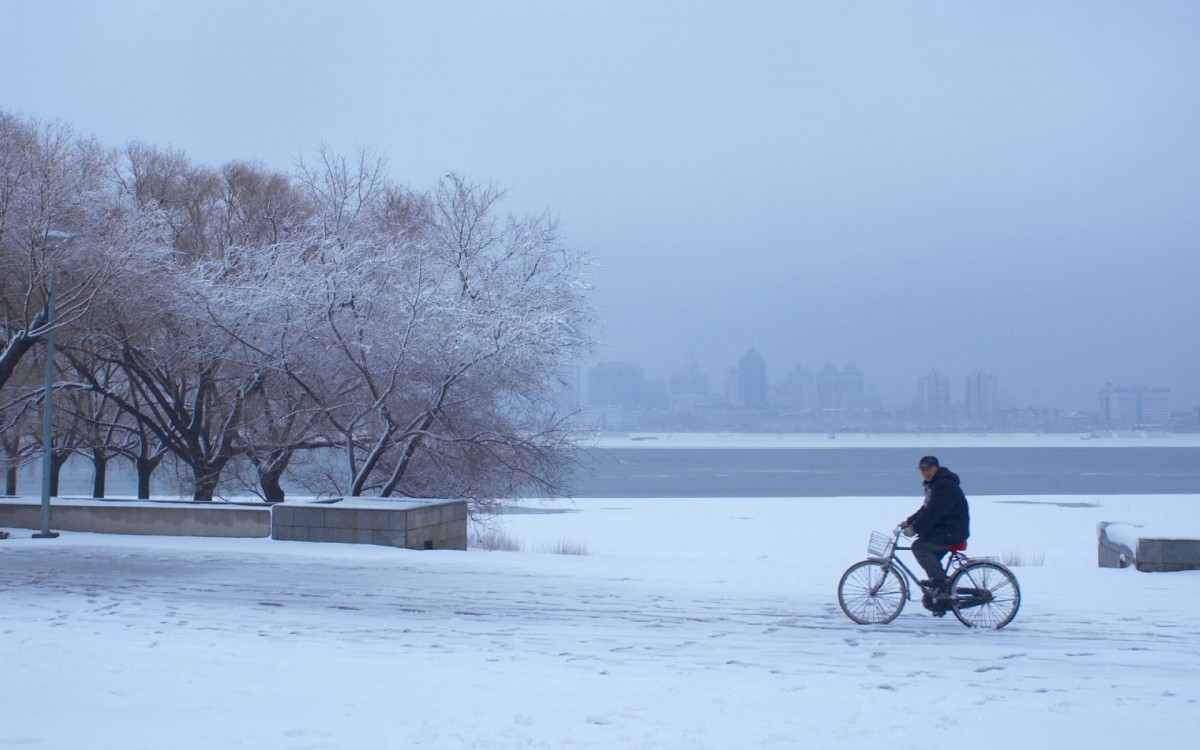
(928, 462)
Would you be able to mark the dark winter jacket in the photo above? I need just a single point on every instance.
(944, 518)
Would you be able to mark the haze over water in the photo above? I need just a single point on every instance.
(903, 187)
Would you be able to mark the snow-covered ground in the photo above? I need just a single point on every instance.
(688, 624)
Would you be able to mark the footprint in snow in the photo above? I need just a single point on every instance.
(293, 733)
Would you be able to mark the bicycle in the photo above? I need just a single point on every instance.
(981, 592)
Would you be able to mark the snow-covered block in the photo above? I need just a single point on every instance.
(1149, 549)
(1116, 546)
(411, 524)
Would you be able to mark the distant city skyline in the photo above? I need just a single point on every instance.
(934, 392)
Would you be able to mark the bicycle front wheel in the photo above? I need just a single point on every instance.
(985, 595)
(872, 592)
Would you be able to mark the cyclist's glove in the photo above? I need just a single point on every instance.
(907, 530)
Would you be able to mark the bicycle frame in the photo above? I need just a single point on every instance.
(954, 562)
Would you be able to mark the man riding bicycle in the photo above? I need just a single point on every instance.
(941, 522)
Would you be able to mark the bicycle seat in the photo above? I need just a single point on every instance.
(960, 547)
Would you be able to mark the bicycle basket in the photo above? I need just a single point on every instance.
(881, 544)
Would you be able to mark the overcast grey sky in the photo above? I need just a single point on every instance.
(1005, 185)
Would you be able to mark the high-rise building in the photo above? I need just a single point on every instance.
(729, 387)
(933, 396)
(840, 389)
(615, 384)
(854, 392)
(693, 382)
(752, 379)
(689, 389)
(1135, 406)
(797, 390)
(981, 394)
(653, 395)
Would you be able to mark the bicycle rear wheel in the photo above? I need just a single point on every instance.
(871, 592)
(985, 595)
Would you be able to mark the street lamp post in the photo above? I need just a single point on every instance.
(47, 407)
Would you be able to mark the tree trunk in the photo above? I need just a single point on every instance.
(272, 489)
(57, 460)
(145, 467)
(99, 472)
(270, 472)
(406, 457)
(206, 481)
(145, 463)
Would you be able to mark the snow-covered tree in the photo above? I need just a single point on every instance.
(20, 425)
(187, 375)
(433, 332)
(63, 216)
(240, 315)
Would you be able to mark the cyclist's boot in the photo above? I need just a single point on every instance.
(936, 606)
(935, 598)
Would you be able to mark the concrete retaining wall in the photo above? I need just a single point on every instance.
(410, 524)
(139, 517)
(1148, 550)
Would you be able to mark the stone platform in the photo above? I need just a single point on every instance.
(411, 524)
